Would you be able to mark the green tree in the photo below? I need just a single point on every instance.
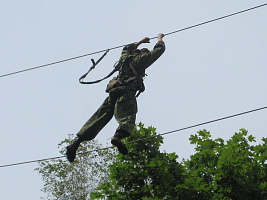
(75, 181)
(144, 173)
(234, 169)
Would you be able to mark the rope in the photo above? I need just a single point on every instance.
(181, 129)
(81, 56)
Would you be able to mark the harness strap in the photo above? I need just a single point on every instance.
(93, 66)
(138, 78)
(97, 81)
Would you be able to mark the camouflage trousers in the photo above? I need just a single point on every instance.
(123, 107)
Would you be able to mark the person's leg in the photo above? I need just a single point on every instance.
(125, 114)
(92, 127)
(97, 121)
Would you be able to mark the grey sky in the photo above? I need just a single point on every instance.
(208, 72)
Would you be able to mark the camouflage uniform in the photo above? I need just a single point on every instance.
(121, 101)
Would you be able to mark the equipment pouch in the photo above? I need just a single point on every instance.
(115, 82)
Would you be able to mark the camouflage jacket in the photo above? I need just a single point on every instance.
(141, 63)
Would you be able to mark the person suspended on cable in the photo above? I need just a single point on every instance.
(122, 93)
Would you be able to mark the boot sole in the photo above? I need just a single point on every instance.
(121, 147)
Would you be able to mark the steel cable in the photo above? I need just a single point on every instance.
(81, 56)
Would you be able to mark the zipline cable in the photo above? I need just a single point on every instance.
(81, 56)
(181, 129)
(219, 18)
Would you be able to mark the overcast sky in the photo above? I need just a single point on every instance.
(207, 72)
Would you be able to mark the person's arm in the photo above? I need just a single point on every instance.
(144, 40)
(130, 47)
(127, 49)
(152, 56)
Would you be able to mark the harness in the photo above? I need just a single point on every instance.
(91, 68)
(136, 80)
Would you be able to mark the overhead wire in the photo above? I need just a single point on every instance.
(69, 59)
(166, 133)
(216, 19)
(81, 56)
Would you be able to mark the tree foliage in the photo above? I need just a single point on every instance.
(235, 169)
(144, 173)
(232, 169)
(75, 181)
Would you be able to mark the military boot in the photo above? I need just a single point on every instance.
(116, 141)
(72, 148)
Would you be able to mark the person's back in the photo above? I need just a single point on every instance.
(140, 60)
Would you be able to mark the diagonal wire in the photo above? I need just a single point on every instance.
(216, 19)
(178, 130)
(81, 56)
